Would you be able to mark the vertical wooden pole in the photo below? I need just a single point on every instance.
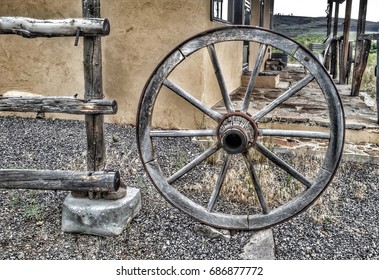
(262, 13)
(345, 47)
(334, 66)
(329, 32)
(272, 6)
(377, 78)
(93, 89)
(329, 18)
(361, 56)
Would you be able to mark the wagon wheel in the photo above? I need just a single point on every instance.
(240, 136)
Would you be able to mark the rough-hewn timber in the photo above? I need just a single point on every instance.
(57, 104)
(32, 28)
(59, 180)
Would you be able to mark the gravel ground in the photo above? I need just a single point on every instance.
(30, 221)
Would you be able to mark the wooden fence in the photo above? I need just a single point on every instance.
(91, 28)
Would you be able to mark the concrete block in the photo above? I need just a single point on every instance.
(263, 81)
(260, 247)
(100, 217)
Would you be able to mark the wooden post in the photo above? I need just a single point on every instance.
(329, 32)
(345, 48)
(329, 18)
(93, 89)
(261, 13)
(361, 54)
(272, 6)
(334, 66)
(377, 78)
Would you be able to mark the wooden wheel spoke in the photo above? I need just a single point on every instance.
(283, 165)
(220, 181)
(257, 185)
(220, 78)
(284, 97)
(183, 133)
(294, 133)
(253, 77)
(189, 98)
(193, 163)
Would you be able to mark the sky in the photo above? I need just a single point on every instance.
(316, 8)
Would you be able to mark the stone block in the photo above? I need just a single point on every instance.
(100, 217)
(260, 247)
(263, 81)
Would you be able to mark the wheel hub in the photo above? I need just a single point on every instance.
(237, 132)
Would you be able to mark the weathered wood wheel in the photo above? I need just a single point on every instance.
(240, 136)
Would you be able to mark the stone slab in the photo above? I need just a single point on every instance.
(260, 247)
(100, 217)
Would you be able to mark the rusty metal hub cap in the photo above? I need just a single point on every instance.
(237, 132)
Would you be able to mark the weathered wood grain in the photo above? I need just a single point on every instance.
(32, 28)
(59, 180)
(93, 89)
(57, 104)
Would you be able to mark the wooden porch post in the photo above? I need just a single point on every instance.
(329, 18)
(272, 5)
(261, 13)
(361, 51)
(334, 66)
(377, 78)
(345, 48)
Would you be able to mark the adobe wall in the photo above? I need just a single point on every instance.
(142, 33)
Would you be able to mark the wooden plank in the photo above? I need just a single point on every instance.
(59, 180)
(57, 104)
(32, 28)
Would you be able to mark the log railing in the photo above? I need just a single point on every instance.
(59, 180)
(58, 104)
(32, 28)
(91, 27)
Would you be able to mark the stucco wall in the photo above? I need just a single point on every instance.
(42, 66)
(142, 33)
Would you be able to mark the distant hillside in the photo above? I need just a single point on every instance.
(295, 26)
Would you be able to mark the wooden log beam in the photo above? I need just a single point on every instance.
(32, 28)
(59, 180)
(57, 104)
